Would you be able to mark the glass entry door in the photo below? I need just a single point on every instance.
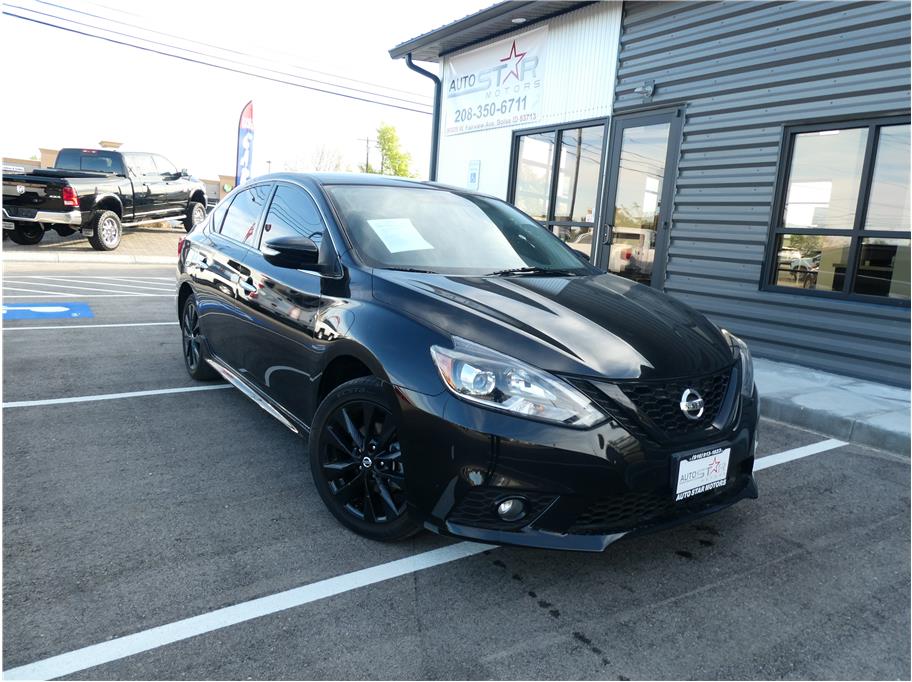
(556, 175)
(638, 197)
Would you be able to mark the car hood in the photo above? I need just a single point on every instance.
(595, 325)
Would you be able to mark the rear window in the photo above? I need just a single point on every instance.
(89, 160)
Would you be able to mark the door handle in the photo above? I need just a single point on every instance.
(247, 286)
(608, 230)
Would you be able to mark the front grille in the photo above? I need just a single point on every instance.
(622, 512)
(659, 402)
(631, 510)
(656, 415)
(476, 509)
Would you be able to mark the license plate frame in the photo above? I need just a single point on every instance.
(700, 471)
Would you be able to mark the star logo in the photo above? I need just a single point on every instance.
(714, 466)
(514, 58)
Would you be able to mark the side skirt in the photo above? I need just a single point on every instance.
(240, 384)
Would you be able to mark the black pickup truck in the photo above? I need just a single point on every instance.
(98, 192)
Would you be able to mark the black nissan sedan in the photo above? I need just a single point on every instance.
(457, 367)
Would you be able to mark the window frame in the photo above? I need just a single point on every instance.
(856, 234)
(272, 195)
(558, 130)
(259, 224)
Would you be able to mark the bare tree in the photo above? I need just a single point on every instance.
(326, 159)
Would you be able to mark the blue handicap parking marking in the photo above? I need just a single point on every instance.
(45, 310)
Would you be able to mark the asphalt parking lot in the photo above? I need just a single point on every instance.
(125, 516)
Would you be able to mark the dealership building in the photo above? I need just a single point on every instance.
(749, 158)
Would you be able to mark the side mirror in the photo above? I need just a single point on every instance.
(298, 253)
(184, 173)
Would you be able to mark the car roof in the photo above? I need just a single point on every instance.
(343, 179)
(359, 179)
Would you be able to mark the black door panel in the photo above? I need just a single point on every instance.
(219, 269)
(284, 305)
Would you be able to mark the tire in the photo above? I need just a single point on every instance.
(192, 347)
(106, 231)
(196, 213)
(27, 235)
(361, 483)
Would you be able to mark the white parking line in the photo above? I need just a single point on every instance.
(797, 453)
(82, 296)
(158, 281)
(146, 640)
(122, 647)
(160, 286)
(39, 292)
(111, 396)
(79, 289)
(88, 326)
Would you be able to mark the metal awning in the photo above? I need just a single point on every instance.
(476, 28)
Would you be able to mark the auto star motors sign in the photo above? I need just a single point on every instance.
(497, 85)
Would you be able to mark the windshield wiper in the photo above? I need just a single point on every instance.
(427, 272)
(528, 271)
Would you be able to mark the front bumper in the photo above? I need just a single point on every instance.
(72, 218)
(584, 488)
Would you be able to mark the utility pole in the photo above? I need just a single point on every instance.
(367, 152)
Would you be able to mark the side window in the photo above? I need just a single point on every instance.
(241, 221)
(164, 166)
(218, 214)
(141, 164)
(292, 213)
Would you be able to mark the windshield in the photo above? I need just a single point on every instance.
(448, 232)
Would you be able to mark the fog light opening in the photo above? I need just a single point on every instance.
(512, 509)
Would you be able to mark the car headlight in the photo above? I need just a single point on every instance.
(743, 354)
(485, 377)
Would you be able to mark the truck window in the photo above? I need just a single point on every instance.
(89, 160)
(164, 166)
(141, 164)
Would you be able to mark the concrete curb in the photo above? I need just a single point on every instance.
(850, 429)
(33, 257)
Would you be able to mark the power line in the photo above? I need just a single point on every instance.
(215, 66)
(297, 67)
(211, 56)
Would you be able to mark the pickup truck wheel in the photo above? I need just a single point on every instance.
(196, 213)
(107, 231)
(193, 349)
(27, 235)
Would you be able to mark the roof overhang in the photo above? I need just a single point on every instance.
(481, 26)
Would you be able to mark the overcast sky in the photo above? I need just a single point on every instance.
(64, 89)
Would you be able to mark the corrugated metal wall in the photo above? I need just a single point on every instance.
(743, 70)
(579, 76)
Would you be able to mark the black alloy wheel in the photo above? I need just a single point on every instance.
(192, 343)
(357, 462)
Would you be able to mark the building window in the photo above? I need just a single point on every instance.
(555, 179)
(842, 223)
